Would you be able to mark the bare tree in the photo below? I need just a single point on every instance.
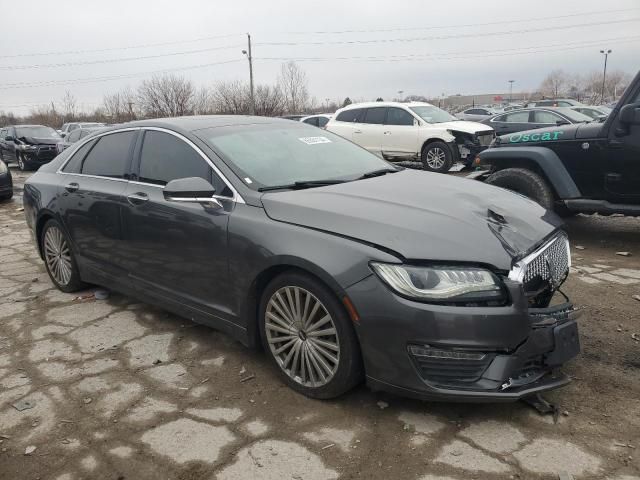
(554, 84)
(293, 82)
(269, 100)
(69, 106)
(166, 96)
(232, 98)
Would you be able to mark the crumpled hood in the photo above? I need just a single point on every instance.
(464, 126)
(422, 216)
(39, 141)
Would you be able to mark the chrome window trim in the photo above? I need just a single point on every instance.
(519, 269)
(236, 196)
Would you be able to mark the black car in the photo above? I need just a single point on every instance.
(6, 182)
(343, 266)
(529, 118)
(582, 168)
(75, 135)
(28, 145)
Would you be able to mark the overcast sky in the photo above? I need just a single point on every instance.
(421, 47)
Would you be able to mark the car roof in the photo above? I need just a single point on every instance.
(199, 122)
(25, 125)
(386, 104)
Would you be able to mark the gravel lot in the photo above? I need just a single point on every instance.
(123, 390)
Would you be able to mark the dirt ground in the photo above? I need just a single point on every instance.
(118, 389)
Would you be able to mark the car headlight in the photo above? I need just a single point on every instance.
(3, 168)
(441, 283)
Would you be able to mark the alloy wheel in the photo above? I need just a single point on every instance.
(57, 255)
(302, 336)
(21, 165)
(436, 158)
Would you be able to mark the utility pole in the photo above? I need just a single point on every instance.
(250, 58)
(604, 74)
(400, 92)
(511, 90)
(131, 115)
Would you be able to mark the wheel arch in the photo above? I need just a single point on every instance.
(262, 279)
(541, 160)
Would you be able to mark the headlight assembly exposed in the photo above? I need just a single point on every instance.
(440, 283)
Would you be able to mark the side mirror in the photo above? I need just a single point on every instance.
(9, 138)
(63, 134)
(630, 114)
(562, 122)
(416, 122)
(191, 189)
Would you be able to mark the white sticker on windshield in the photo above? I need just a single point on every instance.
(314, 140)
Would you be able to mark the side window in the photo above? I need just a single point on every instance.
(545, 117)
(322, 121)
(398, 116)
(351, 115)
(516, 117)
(84, 133)
(472, 111)
(75, 162)
(312, 121)
(375, 115)
(3, 133)
(110, 156)
(165, 157)
(73, 126)
(74, 136)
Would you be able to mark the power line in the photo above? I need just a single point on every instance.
(116, 60)
(433, 27)
(112, 49)
(74, 81)
(462, 55)
(445, 37)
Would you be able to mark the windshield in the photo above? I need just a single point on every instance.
(276, 154)
(37, 132)
(431, 114)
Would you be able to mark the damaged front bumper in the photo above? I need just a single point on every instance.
(451, 353)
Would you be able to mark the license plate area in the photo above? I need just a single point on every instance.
(567, 344)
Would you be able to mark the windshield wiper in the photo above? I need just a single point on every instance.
(302, 184)
(377, 173)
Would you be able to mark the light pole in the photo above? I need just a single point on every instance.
(511, 90)
(250, 58)
(400, 92)
(604, 73)
(327, 104)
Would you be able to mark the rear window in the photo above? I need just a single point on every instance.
(74, 164)
(351, 115)
(110, 156)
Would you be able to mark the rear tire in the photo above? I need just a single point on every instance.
(437, 157)
(59, 259)
(299, 313)
(525, 182)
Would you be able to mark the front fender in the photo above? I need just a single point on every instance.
(544, 158)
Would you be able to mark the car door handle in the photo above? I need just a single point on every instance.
(386, 133)
(72, 187)
(358, 131)
(137, 198)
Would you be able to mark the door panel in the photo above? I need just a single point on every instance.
(622, 179)
(178, 249)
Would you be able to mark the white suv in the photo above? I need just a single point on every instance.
(412, 131)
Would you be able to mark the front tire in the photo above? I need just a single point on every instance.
(309, 337)
(22, 164)
(437, 157)
(524, 182)
(59, 259)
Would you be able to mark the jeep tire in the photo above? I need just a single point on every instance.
(525, 182)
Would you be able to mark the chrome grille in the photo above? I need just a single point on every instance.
(550, 262)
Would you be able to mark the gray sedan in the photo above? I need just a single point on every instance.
(340, 265)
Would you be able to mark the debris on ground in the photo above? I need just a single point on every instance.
(242, 371)
(636, 337)
(564, 476)
(579, 247)
(21, 405)
(157, 361)
(328, 446)
(29, 450)
(246, 379)
(636, 297)
(624, 254)
(86, 296)
(382, 405)
(101, 294)
(87, 401)
(542, 406)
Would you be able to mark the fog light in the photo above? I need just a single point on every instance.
(426, 351)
